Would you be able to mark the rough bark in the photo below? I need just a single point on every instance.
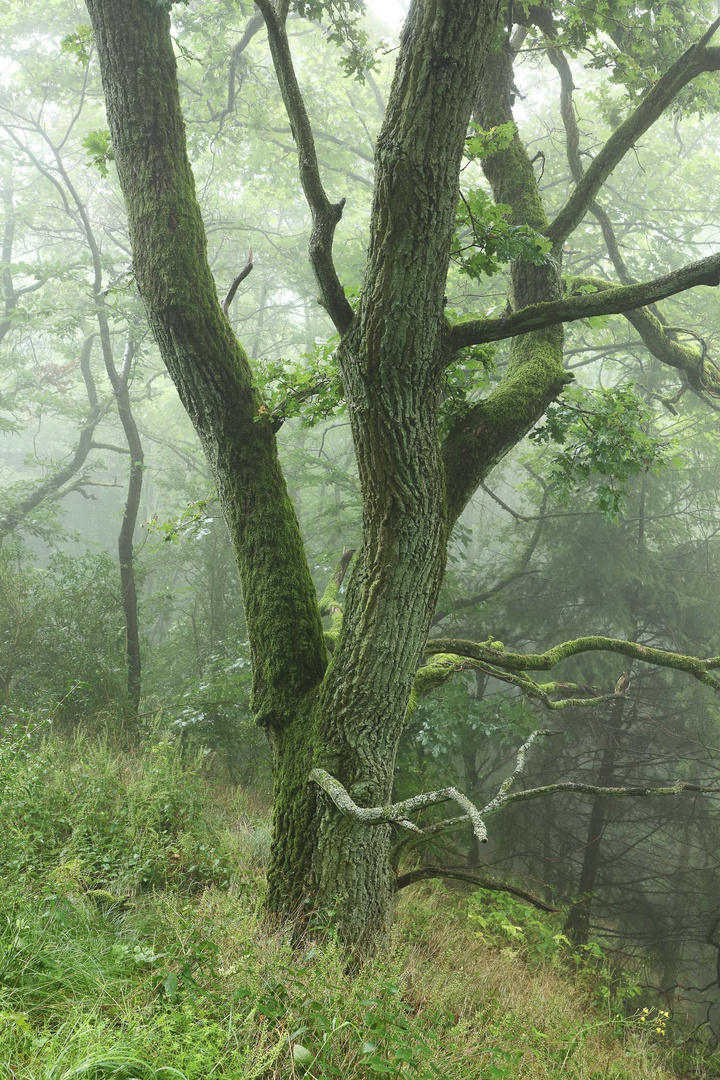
(392, 358)
(345, 718)
(535, 376)
(207, 364)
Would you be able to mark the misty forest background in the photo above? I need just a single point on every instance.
(135, 787)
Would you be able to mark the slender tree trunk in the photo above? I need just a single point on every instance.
(577, 925)
(121, 388)
(9, 295)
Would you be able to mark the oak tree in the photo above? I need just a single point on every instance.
(334, 705)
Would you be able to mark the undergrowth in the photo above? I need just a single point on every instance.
(132, 944)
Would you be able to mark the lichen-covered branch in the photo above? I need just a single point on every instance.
(325, 215)
(608, 792)
(613, 300)
(480, 438)
(701, 373)
(488, 653)
(505, 796)
(396, 812)
(504, 789)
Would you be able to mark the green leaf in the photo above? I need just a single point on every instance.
(301, 1054)
(170, 986)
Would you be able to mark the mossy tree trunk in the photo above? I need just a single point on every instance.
(345, 715)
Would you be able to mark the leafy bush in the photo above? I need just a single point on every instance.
(114, 824)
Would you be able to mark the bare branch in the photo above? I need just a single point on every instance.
(396, 812)
(325, 215)
(254, 24)
(237, 282)
(650, 325)
(505, 796)
(502, 795)
(520, 571)
(608, 792)
(457, 874)
(692, 63)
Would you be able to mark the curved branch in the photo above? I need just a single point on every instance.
(325, 215)
(520, 662)
(247, 268)
(396, 812)
(503, 791)
(254, 24)
(650, 325)
(702, 374)
(51, 487)
(457, 874)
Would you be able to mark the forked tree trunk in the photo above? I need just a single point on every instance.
(346, 717)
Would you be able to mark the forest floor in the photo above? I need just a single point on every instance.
(132, 945)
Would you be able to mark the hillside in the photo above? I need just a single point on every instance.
(132, 945)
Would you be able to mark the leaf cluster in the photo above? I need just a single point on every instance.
(484, 239)
(605, 435)
(344, 31)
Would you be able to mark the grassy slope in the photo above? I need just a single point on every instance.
(131, 945)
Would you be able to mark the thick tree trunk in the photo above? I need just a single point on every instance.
(347, 720)
(392, 359)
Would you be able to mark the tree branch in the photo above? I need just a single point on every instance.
(325, 215)
(650, 325)
(519, 662)
(614, 300)
(702, 374)
(247, 268)
(608, 792)
(692, 63)
(457, 874)
(396, 812)
(521, 570)
(50, 487)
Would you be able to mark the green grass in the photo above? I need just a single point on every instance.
(132, 944)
